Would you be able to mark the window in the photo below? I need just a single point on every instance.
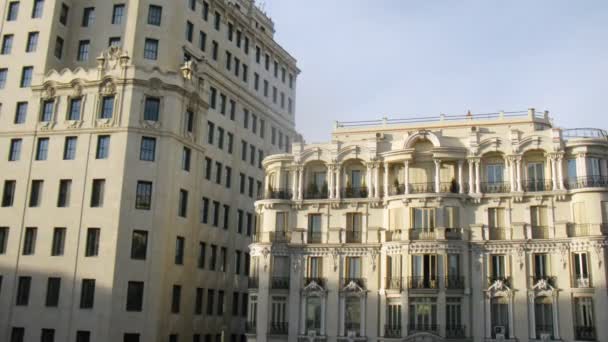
(265, 88)
(3, 243)
(147, 149)
(14, 153)
(249, 223)
(220, 302)
(183, 203)
(230, 31)
(117, 14)
(212, 97)
(580, 263)
(202, 40)
(103, 147)
(220, 136)
(92, 243)
(23, 290)
(8, 193)
(243, 150)
(69, 148)
(423, 218)
(87, 294)
(32, 42)
(7, 44)
(242, 183)
(237, 262)
(260, 158)
(208, 164)
(88, 16)
(314, 228)
(58, 243)
(210, 132)
(42, 148)
(152, 109)
(63, 198)
(29, 242)
(205, 12)
(215, 50)
(226, 216)
(186, 152)
(47, 110)
(205, 210)
(143, 196)
(213, 257)
(228, 177)
(251, 155)
(198, 302)
(74, 109)
(63, 15)
(26, 76)
(217, 21)
(235, 304)
(114, 42)
(83, 50)
(228, 60)
(17, 334)
(3, 75)
(151, 49)
(267, 62)
(497, 267)
(496, 218)
(201, 255)
(83, 336)
(222, 104)
(53, 288)
(97, 193)
(499, 316)
(192, 4)
(107, 107)
(130, 337)
(20, 112)
(176, 298)
(216, 213)
(256, 81)
(353, 227)
(230, 142)
(179, 250)
(59, 47)
(36, 193)
(139, 245)
(189, 31)
(155, 14)
(37, 9)
(13, 11)
(210, 301)
(584, 322)
(135, 295)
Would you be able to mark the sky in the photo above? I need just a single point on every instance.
(367, 59)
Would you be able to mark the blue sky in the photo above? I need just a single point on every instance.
(365, 59)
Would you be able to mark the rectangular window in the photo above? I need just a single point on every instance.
(92, 243)
(32, 42)
(208, 165)
(152, 109)
(47, 335)
(143, 195)
(235, 304)
(29, 242)
(151, 49)
(17, 334)
(53, 288)
(183, 203)
(58, 243)
(87, 294)
(155, 14)
(13, 11)
(47, 110)
(139, 245)
(580, 263)
(217, 21)
(83, 50)
(198, 301)
(42, 148)
(88, 16)
(202, 247)
(8, 193)
(239, 227)
(186, 154)
(228, 177)
(228, 60)
(63, 198)
(3, 75)
(3, 243)
(179, 250)
(220, 303)
(584, 321)
(59, 47)
(74, 109)
(103, 147)
(64, 14)
(36, 193)
(83, 336)
(117, 14)
(202, 40)
(147, 149)
(243, 150)
(135, 296)
(242, 183)
(37, 9)
(497, 267)
(189, 31)
(14, 153)
(215, 50)
(256, 81)
(210, 132)
(176, 298)
(496, 218)
(205, 13)
(97, 193)
(210, 301)
(23, 290)
(226, 220)
(26, 76)
(7, 44)
(107, 107)
(20, 112)
(216, 213)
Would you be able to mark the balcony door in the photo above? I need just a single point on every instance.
(497, 267)
(495, 173)
(500, 317)
(356, 179)
(314, 228)
(352, 315)
(581, 269)
(313, 314)
(315, 267)
(583, 320)
(319, 179)
(541, 266)
(543, 316)
(353, 227)
(423, 219)
(423, 314)
(424, 271)
(353, 268)
(536, 176)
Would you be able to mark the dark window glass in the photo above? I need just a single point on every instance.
(201, 255)
(8, 193)
(152, 109)
(15, 150)
(17, 334)
(83, 50)
(88, 16)
(20, 112)
(23, 290)
(148, 149)
(59, 47)
(63, 15)
(32, 42)
(135, 295)
(58, 243)
(69, 148)
(176, 298)
(63, 198)
(155, 14)
(3, 243)
(107, 107)
(139, 245)
(92, 243)
(151, 49)
(26, 76)
(47, 335)
(97, 193)
(87, 294)
(198, 301)
(186, 153)
(36, 193)
(130, 337)
(42, 148)
(74, 110)
(117, 14)
(210, 301)
(53, 289)
(205, 211)
(13, 11)
(38, 9)
(83, 336)
(143, 195)
(183, 203)
(103, 147)
(179, 250)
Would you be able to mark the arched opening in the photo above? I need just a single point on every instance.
(354, 178)
(316, 180)
(494, 177)
(535, 171)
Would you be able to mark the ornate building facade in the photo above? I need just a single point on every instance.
(468, 228)
(131, 139)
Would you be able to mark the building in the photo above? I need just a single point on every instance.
(131, 140)
(469, 228)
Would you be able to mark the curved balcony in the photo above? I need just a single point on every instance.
(315, 192)
(584, 133)
(354, 192)
(537, 185)
(586, 182)
(281, 194)
(422, 234)
(422, 188)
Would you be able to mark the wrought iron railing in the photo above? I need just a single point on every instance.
(353, 326)
(584, 333)
(581, 133)
(253, 282)
(394, 283)
(396, 190)
(314, 237)
(536, 185)
(422, 234)
(392, 331)
(542, 329)
(276, 194)
(358, 192)
(422, 282)
(250, 327)
(495, 187)
(317, 193)
(422, 188)
(422, 327)
(574, 183)
(454, 282)
(278, 328)
(353, 236)
(455, 331)
(280, 283)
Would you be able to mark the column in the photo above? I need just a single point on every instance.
(362, 313)
(437, 175)
(560, 171)
(581, 162)
(477, 181)
(553, 171)
(386, 170)
(323, 314)
(368, 177)
(518, 172)
(294, 184)
(300, 182)
(338, 170)
(488, 316)
(303, 315)
(265, 189)
(512, 174)
(460, 185)
(471, 182)
(531, 317)
(279, 179)
(406, 176)
(555, 307)
(328, 181)
(377, 187)
(341, 321)
(511, 318)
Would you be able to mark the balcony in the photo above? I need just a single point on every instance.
(453, 233)
(581, 282)
(497, 233)
(253, 283)
(544, 329)
(361, 282)
(454, 282)
(422, 188)
(282, 194)
(537, 185)
(421, 282)
(314, 237)
(279, 237)
(495, 187)
(455, 331)
(319, 280)
(422, 234)
(422, 327)
(250, 327)
(494, 279)
(540, 232)
(578, 229)
(393, 283)
(278, 328)
(551, 280)
(353, 236)
(279, 283)
(393, 235)
(584, 333)
(315, 192)
(586, 182)
(354, 192)
(392, 331)
(396, 190)
(352, 327)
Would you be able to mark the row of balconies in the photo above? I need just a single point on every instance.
(537, 185)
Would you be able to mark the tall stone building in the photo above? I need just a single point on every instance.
(467, 228)
(131, 140)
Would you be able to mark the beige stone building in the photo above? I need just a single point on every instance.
(131, 139)
(484, 227)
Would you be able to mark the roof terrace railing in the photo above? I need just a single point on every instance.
(581, 133)
(443, 117)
